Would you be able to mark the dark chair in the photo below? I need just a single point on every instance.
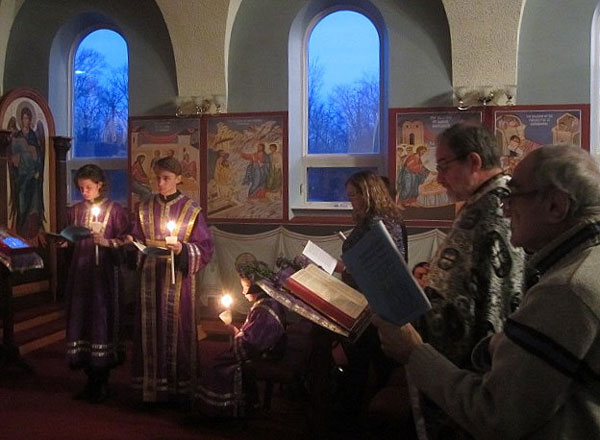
(307, 364)
(289, 369)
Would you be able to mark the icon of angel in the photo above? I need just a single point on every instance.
(26, 169)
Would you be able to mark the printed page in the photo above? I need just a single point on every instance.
(139, 245)
(318, 256)
(300, 307)
(332, 290)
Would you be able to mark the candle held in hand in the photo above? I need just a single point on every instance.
(96, 228)
(96, 225)
(171, 239)
(226, 300)
(226, 315)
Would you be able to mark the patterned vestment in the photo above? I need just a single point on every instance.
(165, 336)
(475, 282)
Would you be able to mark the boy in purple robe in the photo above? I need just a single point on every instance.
(93, 285)
(164, 358)
(224, 391)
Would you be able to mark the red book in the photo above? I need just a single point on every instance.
(328, 295)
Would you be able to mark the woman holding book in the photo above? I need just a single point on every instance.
(225, 390)
(371, 202)
(93, 284)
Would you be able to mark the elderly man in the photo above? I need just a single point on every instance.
(544, 379)
(475, 278)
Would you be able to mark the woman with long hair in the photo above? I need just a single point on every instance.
(371, 202)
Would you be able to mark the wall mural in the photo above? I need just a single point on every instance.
(153, 138)
(413, 144)
(246, 163)
(520, 130)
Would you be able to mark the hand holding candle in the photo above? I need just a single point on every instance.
(171, 240)
(226, 315)
(96, 228)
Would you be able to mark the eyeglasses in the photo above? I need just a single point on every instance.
(509, 197)
(443, 166)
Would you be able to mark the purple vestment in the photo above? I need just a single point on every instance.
(93, 290)
(220, 392)
(165, 342)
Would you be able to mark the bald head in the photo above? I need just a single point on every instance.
(567, 168)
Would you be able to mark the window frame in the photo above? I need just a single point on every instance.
(300, 159)
(74, 163)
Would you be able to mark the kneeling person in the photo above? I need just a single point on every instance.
(224, 390)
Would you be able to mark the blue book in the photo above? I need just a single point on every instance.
(377, 266)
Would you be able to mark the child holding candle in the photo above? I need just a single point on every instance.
(165, 337)
(93, 284)
(225, 391)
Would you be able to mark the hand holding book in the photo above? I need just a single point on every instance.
(377, 266)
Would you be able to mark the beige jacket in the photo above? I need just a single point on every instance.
(525, 396)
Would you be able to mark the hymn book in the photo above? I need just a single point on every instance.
(377, 266)
(151, 251)
(71, 233)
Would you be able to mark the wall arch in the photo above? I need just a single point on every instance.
(55, 27)
(419, 70)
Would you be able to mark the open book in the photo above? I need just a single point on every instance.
(318, 256)
(377, 266)
(306, 310)
(326, 300)
(151, 251)
(71, 233)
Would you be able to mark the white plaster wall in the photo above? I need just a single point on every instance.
(484, 40)
(197, 29)
(234, 6)
(485, 37)
(8, 11)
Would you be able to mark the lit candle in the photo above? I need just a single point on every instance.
(225, 315)
(171, 239)
(96, 228)
(226, 300)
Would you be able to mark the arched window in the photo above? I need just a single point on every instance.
(100, 108)
(343, 106)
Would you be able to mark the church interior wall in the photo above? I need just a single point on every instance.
(418, 44)
(184, 48)
(554, 52)
(38, 23)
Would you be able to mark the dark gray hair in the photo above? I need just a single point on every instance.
(569, 169)
(471, 137)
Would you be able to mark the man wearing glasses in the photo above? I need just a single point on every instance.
(475, 277)
(543, 380)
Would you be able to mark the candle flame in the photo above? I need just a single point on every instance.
(226, 300)
(95, 211)
(171, 226)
